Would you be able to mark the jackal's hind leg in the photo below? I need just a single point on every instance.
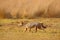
(36, 29)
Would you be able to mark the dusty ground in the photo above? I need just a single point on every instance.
(14, 32)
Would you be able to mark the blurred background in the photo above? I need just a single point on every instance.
(29, 9)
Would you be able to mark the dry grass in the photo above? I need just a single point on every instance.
(17, 33)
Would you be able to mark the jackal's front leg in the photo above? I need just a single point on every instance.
(29, 29)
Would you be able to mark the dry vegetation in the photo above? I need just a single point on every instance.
(14, 32)
(29, 8)
(15, 9)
